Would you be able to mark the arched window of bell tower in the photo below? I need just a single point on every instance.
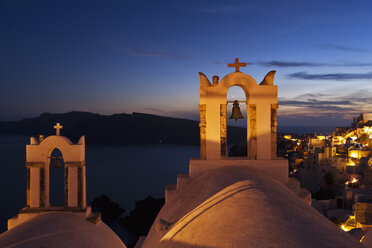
(56, 178)
(236, 128)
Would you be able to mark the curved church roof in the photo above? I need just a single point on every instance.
(237, 206)
(60, 230)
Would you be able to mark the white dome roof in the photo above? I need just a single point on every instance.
(241, 207)
(60, 230)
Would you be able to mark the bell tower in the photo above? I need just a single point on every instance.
(262, 103)
(38, 157)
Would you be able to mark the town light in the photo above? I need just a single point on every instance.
(354, 154)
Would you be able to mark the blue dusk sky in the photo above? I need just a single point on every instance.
(144, 56)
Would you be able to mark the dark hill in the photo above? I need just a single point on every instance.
(136, 128)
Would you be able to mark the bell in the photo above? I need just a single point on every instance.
(236, 114)
(56, 162)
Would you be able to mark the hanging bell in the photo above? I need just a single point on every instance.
(236, 113)
(56, 162)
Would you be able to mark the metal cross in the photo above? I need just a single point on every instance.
(58, 127)
(237, 65)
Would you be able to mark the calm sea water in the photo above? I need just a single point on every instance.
(124, 173)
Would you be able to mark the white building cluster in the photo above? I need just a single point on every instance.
(339, 166)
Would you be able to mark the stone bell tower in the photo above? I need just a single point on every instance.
(38, 156)
(262, 104)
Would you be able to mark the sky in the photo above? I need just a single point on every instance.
(144, 56)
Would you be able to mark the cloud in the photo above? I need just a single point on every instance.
(156, 110)
(148, 53)
(331, 76)
(315, 105)
(140, 52)
(184, 114)
(342, 48)
(278, 63)
(313, 102)
(325, 105)
(361, 96)
(351, 64)
(283, 64)
(312, 95)
(219, 9)
(324, 108)
(222, 9)
(287, 63)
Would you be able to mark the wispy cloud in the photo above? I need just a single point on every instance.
(288, 63)
(186, 114)
(156, 110)
(283, 64)
(326, 106)
(317, 106)
(222, 9)
(341, 47)
(331, 76)
(152, 53)
(142, 52)
(360, 96)
(312, 95)
(313, 102)
(278, 63)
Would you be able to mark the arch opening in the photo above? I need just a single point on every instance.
(56, 178)
(236, 129)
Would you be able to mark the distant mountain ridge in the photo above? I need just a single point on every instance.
(135, 128)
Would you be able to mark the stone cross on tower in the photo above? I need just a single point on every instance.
(58, 127)
(237, 65)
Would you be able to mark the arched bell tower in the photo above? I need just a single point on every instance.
(262, 104)
(38, 155)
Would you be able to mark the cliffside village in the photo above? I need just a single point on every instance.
(337, 170)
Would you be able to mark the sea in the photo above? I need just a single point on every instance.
(125, 173)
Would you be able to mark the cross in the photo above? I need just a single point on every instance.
(57, 128)
(237, 65)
